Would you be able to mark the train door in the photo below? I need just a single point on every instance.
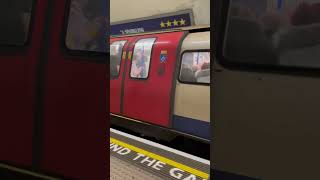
(149, 77)
(20, 40)
(118, 54)
(192, 93)
(266, 96)
(73, 124)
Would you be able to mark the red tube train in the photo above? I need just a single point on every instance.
(52, 77)
(160, 81)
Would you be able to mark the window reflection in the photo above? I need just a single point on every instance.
(115, 57)
(87, 25)
(14, 21)
(195, 67)
(141, 58)
(270, 32)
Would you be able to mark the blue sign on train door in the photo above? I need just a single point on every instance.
(179, 19)
(163, 56)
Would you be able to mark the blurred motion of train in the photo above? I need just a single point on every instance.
(160, 82)
(53, 81)
(266, 89)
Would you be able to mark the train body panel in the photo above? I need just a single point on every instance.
(192, 110)
(197, 106)
(53, 88)
(116, 79)
(17, 77)
(192, 101)
(266, 94)
(196, 41)
(149, 99)
(75, 86)
(158, 97)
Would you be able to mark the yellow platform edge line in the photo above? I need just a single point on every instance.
(161, 158)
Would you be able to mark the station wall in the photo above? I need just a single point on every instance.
(122, 10)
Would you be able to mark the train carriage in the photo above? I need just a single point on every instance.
(266, 93)
(53, 84)
(162, 79)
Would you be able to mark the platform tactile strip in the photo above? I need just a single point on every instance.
(121, 170)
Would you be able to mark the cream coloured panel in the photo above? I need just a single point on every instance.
(196, 41)
(193, 101)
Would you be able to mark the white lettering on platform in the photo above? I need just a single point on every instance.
(149, 162)
(124, 151)
(178, 174)
(158, 165)
(115, 147)
(119, 149)
(138, 156)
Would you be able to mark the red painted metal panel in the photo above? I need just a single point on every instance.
(17, 94)
(116, 84)
(75, 116)
(149, 100)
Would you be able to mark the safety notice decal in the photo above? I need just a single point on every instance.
(159, 165)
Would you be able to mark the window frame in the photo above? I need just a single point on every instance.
(180, 65)
(151, 54)
(221, 10)
(4, 48)
(83, 55)
(121, 57)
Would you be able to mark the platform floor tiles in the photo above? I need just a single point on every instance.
(121, 170)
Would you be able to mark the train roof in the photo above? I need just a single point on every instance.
(198, 28)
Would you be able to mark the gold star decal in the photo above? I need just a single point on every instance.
(182, 22)
(175, 23)
(162, 24)
(168, 23)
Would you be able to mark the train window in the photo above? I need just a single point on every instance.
(115, 58)
(15, 18)
(268, 32)
(141, 58)
(195, 68)
(87, 26)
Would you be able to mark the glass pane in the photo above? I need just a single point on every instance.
(115, 57)
(141, 58)
(87, 25)
(195, 67)
(274, 32)
(14, 21)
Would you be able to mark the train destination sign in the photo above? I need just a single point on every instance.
(169, 21)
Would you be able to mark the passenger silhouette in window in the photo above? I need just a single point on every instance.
(96, 15)
(275, 36)
(187, 68)
(271, 23)
(299, 45)
(247, 42)
(203, 74)
(87, 26)
(114, 66)
(138, 68)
